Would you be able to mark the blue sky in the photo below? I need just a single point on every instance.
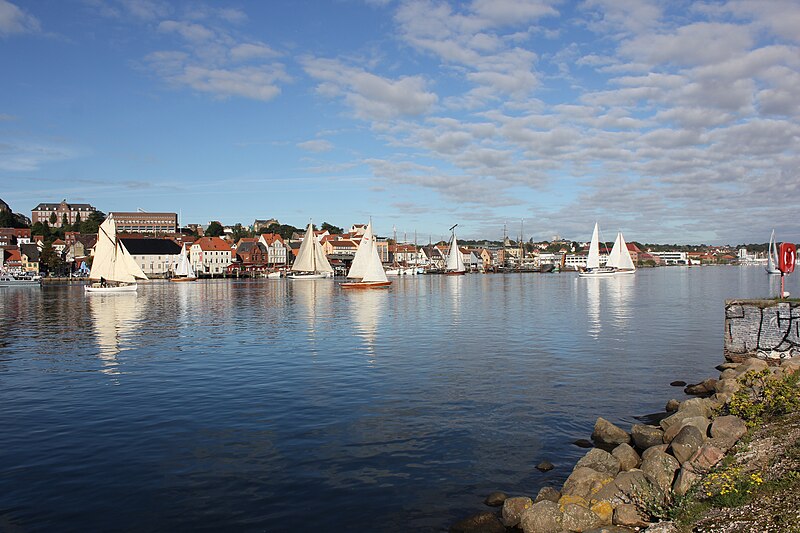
(672, 121)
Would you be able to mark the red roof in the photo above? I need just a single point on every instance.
(270, 238)
(210, 244)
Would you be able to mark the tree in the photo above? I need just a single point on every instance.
(77, 225)
(11, 220)
(240, 232)
(214, 229)
(64, 220)
(92, 223)
(333, 230)
(284, 230)
(53, 218)
(49, 258)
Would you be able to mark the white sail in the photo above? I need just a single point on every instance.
(374, 269)
(184, 267)
(772, 259)
(455, 261)
(112, 261)
(620, 257)
(362, 257)
(593, 261)
(310, 257)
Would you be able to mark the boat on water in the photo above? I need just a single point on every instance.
(620, 257)
(772, 256)
(275, 275)
(593, 268)
(454, 266)
(367, 269)
(184, 270)
(10, 280)
(311, 262)
(113, 268)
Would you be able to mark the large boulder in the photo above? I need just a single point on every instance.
(601, 461)
(485, 522)
(577, 518)
(513, 509)
(729, 428)
(548, 493)
(607, 435)
(698, 407)
(704, 388)
(700, 422)
(584, 482)
(542, 517)
(705, 458)
(654, 449)
(727, 386)
(672, 405)
(636, 487)
(661, 468)
(627, 457)
(751, 364)
(495, 499)
(628, 515)
(684, 481)
(686, 443)
(645, 436)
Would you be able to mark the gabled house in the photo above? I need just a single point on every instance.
(156, 257)
(251, 255)
(277, 250)
(29, 257)
(210, 255)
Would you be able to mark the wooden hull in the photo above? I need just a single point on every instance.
(454, 273)
(307, 276)
(176, 280)
(96, 288)
(366, 285)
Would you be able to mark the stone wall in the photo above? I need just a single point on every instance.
(767, 329)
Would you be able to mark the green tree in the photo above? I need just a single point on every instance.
(284, 230)
(53, 218)
(64, 220)
(240, 232)
(214, 229)
(77, 225)
(49, 259)
(92, 222)
(331, 228)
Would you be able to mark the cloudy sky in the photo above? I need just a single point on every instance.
(672, 121)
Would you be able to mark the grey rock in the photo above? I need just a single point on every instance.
(751, 364)
(495, 499)
(661, 468)
(627, 457)
(727, 386)
(484, 522)
(544, 466)
(672, 406)
(684, 481)
(700, 422)
(678, 383)
(704, 459)
(543, 517)
(513, 509)
(601, 461)
(729, 373)
(628, 515)
(548, 493)
(726, 366)
(728, 427)
(607, 434)
(646, 436)
(584, 482)
(662, 448)
(703, 388)
(697, 407)
(686, 443)
(635, 486)
(578, 518)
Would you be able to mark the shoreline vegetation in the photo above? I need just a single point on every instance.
(725, 460)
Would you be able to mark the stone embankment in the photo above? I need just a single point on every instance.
(631, 478)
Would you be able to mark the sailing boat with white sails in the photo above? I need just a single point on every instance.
(772, 261)
(593, 268)
(367, 267)
(455, 261)
(113, 268)
(620, 257)
(311, 262)
(184, 270)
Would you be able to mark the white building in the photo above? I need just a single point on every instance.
(672, 258)
(156, 257)
(210, 255)
(277, 250)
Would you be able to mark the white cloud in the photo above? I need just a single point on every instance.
(14, 21)
(187, 30)
(27, 156)
(316, 145)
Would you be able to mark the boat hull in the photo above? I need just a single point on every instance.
(599, 273)
(624, 272)
(96, 288)
(177, 280)
(20, 283)
(366, 285)
(307, 276)
(455, 273)
(274, 275)
(772, 272)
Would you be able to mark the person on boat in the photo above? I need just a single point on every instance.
(102, 281)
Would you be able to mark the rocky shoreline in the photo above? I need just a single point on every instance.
(631, 479)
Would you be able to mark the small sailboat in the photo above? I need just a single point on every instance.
(184, 270)
(772, 260)
(593, 268)
(113, 268)
(367, 267)
(620, 257)
(455, 261)
(311, 262)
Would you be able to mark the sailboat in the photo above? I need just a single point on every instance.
(311, 262)
(772, 261)
(367, 267)
(593, 268)
(620, 257)
(455, 261)
(113, 268)
(184, 270)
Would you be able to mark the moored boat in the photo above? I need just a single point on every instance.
(367, 268)
(9, 280)
(311, 262)
(593, 268)
(113, 268)
(184, 270)
(454, 266)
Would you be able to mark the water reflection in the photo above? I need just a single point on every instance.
(619, 298)
(593, 304)
(366, 309)
(312, 302)
(116, 317)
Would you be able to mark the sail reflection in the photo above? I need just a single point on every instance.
(620, 292)
(366, 308)
(116, 317)
(593, 305)
(312, 302)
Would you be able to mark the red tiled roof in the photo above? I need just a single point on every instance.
(208, 244)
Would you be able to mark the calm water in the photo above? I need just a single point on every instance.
(288, 406)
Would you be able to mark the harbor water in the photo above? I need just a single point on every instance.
(278, 405)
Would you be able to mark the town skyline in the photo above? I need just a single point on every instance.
(672, 124)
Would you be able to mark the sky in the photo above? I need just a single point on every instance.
(670, 121)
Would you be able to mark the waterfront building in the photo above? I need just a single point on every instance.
(44, 211)
(14, 236)
(276, 248)
(672, 257)
(210, 255)
(29, 258)
(142, 222)
(156, 257)
(404, 254)
(12, 259)
(251, 255)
